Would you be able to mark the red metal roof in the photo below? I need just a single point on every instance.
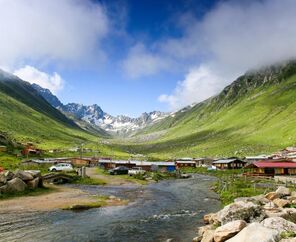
(270, 164)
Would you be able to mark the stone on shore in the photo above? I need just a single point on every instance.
(288, 240)
(248, 212)
(208, 236)
(16, 185)
(255, 232)
(283, 191)
(281, 202)
(3, 179)
(25, 176)
(272, 195)
(34, 183)
(229, 230)
(9, 175)
(286, 213)
(279, 224)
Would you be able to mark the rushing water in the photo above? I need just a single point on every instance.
(170, 209)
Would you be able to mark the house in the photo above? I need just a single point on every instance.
(232, 163)
(271, 168)
(185, 162)
(79, 162)
(145, 165)
(203, 162)
(3, 148)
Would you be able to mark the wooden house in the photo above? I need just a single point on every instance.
(182, 163)
(232, 163)
(271, 168)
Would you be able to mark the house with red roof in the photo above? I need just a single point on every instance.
(272, 167)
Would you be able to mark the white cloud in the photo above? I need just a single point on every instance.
(53, 82)
(232, 38)
(50, 30)
(199, 84)
(141, 62)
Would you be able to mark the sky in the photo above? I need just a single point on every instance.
(135, 56)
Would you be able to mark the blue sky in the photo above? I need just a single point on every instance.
(146, 21)
(134, 56)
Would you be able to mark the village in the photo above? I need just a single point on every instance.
(281, 163)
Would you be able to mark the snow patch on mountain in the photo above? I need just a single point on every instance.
(94, 115)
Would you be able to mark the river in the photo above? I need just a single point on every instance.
(170, 209)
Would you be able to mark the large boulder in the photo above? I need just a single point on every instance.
(3, 189)
(25, 176)
(272, 195)
(9, 175)
(286, 213)
(279, 224)
(246, 211)
(3, 179)
(229, 230)
(16, 185)
(208, 236)
(255, 232)
(34, 183)
(203, 229)
(281, 202)
(283, 191)
(288, 240)
(34, 173)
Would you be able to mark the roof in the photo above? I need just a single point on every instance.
(185, 162)
(283, 164)
(258, 157)
(226, 161)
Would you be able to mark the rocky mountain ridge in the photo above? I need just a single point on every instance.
(94, 115)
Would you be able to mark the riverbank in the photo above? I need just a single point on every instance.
(58, 197)
(265, 218)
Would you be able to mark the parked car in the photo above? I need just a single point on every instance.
(136, 171)
(61, 167)
(119, 170)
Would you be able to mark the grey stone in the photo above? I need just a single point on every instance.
(25, 176)
(229, 230)
(16, 185)
(279, 224)
(246, 211)
(255, 232)
(34, 183)
(283, 191)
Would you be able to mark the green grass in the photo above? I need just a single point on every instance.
(231, 184)
(261, 119)
(89, 181)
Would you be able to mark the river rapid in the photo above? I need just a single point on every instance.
(170, 209)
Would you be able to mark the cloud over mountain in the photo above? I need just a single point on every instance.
(231, 38)
(44, 31)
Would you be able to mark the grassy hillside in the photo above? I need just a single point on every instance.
(255, 114)
(26, 117)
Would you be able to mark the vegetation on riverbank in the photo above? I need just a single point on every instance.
(232, 184)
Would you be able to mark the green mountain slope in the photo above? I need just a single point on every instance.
(26, 116)
(255, 114)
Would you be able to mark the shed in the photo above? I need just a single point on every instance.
(229, 163)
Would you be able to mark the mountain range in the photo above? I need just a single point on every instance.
(94, 115)
(254, 114)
